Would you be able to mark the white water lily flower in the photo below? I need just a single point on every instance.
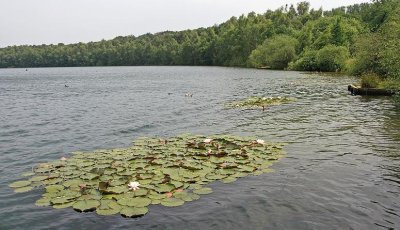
(63, 159)
(134, 185)
(208, 140)
(259, 141)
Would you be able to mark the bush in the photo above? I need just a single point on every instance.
(308, 62)
(391, 83)
(275, 53)
(396, 97)
(331, 58)
(370, 80)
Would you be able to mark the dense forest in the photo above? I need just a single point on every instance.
(361, 39)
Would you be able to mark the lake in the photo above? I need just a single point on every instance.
(341, 170)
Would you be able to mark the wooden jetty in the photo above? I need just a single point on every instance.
(355, 90)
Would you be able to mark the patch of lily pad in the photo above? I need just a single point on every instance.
(167, 172)
(259, 102)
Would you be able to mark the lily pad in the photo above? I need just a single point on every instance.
(195, 186)
(165, 188)
(60, 200)
(86, 205)
(117, 189)
(26, 174)
(229, 180)
(107, 212)
(185, 196)
(172, 202)
(203, 191)
(66, 205)
(133, 211)
(165, 171)
(43, 202)
(141, 192)
(73, 182)
(135, 202)
(19, 184)
(257, 102)
(54, 188)
(23, 189)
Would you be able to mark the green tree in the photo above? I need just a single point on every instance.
(276, 52)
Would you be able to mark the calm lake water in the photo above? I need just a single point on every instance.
(341, 171)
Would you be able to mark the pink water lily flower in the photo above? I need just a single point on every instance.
(133, 185)
(208, 140)
(63, 159)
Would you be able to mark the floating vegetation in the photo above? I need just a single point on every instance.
(154, 171)
(259, 102)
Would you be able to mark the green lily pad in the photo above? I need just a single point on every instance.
(259, 102)
(141, 192)
(165, 188)
(177, 166)
(54, 188)
(185, 196)
(239, 174)
(215, 176)
(43, 202)
(203, 191)
(104, 204)
(66, 205)
(135, 202)
(26, 174)
(86, 205)
(177, 184)
(19, 184)
(43, 170)
(60, 200)
(155, 201)
(257, 173)
(114, 205)
(117, 189)
(172, 202)
(229, 180)
(107, 212)
(245, 168)
(195, 186)
(23, 189)
(267, 170)
(134, 211)
(157, 196)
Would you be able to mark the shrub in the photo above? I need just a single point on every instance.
(308, 62)
(275, 53)
(391, 83)
(331, 58)
(370, 80)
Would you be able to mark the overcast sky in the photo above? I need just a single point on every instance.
(70, 21)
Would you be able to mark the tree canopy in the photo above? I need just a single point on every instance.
(358, 38)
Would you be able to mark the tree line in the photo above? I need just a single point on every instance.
(358, 39)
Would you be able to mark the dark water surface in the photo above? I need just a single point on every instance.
(342, 169)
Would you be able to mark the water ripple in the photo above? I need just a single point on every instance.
(342, 167)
